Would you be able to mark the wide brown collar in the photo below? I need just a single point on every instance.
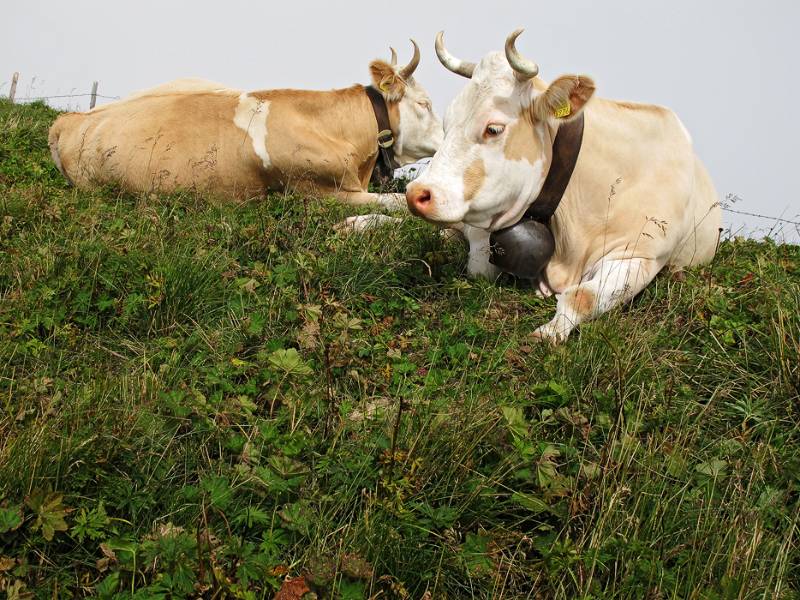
(386, 163)
(566, 148)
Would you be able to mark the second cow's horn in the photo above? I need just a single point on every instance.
(409, 69)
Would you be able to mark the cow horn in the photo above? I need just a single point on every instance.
(451, 63)
(394, 56)
(524, 69)
(407, 71)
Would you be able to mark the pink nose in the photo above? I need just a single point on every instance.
(419, 199)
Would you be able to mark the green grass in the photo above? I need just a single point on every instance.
(200, 398)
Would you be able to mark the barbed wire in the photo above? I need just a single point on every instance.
(66, 96)
(732, 198)
(749, 214)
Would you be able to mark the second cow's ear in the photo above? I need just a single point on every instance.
(386, 79)
(564, 99)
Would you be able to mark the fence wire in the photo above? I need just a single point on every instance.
(17, 98)
(749, 214)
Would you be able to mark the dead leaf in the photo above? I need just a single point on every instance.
(679, 275)
(746, 280)
(6, 563)
(308, 336)
(370, 410)
(356, 567)
(292, 589)
(250, 286)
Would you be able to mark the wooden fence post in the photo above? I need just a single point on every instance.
(93, 99)
(13, 91)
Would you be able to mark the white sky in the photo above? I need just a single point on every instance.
(729, 69)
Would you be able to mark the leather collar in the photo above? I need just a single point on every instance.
(566, 148)
(386, 163)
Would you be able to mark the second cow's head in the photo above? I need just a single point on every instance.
(420, 129)
(498, 142)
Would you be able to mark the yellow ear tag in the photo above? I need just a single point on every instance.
(562, 111)
(385, 83)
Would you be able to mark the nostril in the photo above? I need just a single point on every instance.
(420, 199)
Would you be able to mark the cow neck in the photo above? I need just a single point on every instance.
(566, 148)
(386, 163)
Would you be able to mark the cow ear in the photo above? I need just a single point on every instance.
(387, 80)
(564, 99)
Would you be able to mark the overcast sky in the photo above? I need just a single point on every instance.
(729, 69)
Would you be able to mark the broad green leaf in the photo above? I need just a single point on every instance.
(219, 491)
(531, 503)
(108, 587)
(49, 511)
(515, 419)
(475, 553)
(290, 362)
(10, 519)
(352, 590)
(714, 468)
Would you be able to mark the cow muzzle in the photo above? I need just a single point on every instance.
(420, 200)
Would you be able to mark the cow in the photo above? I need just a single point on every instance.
(638, 200)
(197, 134)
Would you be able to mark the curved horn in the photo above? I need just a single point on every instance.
(394, 56)
(451, 63)
(523, 68)
(409, 69)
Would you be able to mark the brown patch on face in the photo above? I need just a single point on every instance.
(582, 302)
(473, 179)
(522, 142)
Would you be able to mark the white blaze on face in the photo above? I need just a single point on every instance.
(420, 133)
(251, 117)
(480, 178)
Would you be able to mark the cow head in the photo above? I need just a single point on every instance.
(498, 140)
(420, 131)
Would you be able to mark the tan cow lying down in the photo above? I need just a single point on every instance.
(496, 153)
(202, 135)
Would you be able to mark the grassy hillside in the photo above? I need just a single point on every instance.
(203, 399)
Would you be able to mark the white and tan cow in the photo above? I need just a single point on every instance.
(202, 135)
(639, 198)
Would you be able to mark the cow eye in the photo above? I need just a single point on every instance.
(425, 105)
(494, 129)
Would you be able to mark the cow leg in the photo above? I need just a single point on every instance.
(478, 264)
(361, 223)
(391, 202)
(614, 282)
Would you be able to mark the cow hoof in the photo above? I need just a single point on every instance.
(542, 291)
(362, 223)
(549, 334)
